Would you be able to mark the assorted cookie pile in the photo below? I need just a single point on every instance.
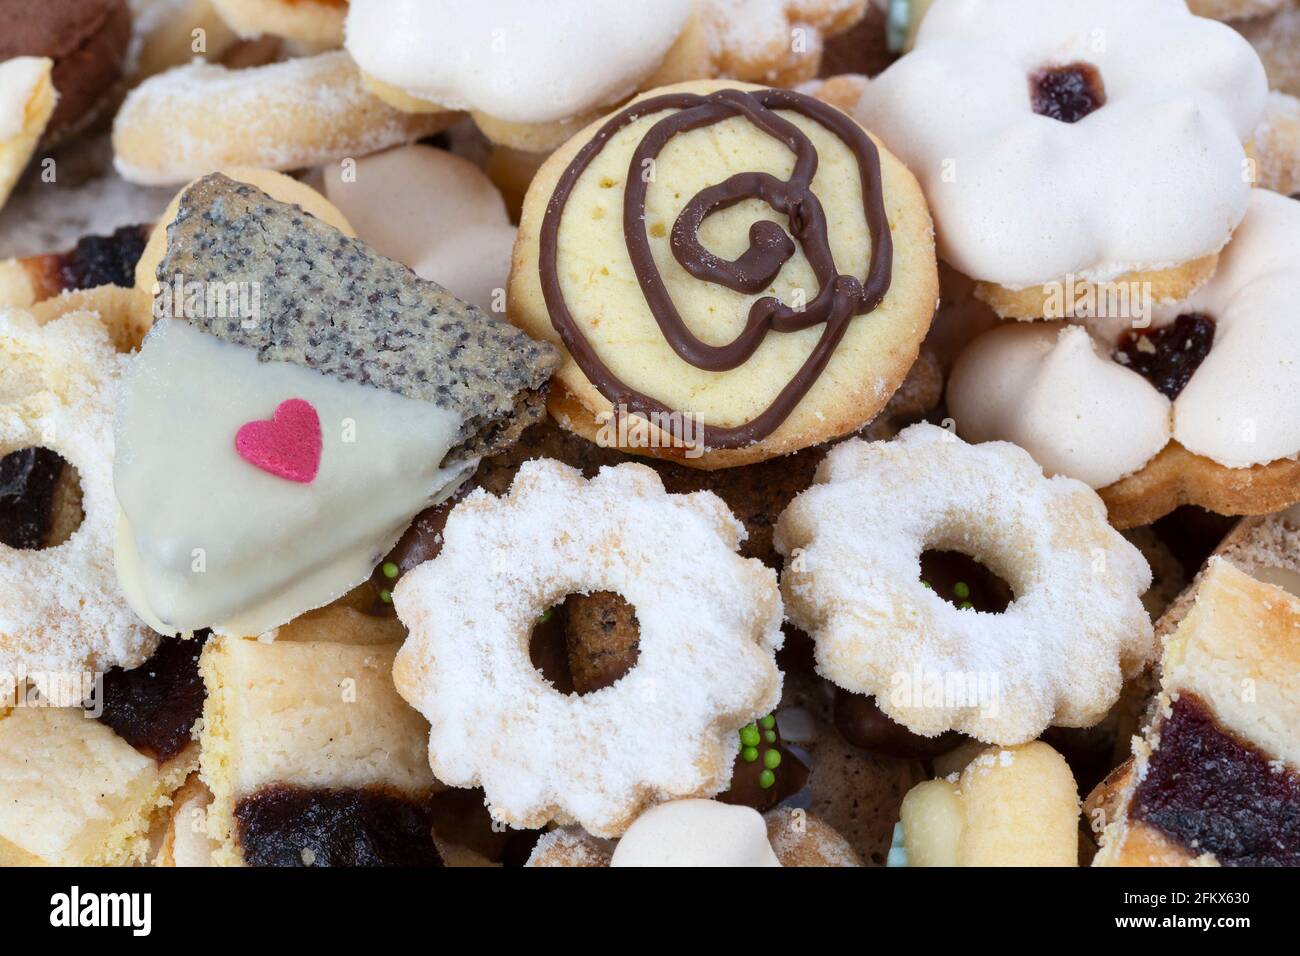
(684, 433)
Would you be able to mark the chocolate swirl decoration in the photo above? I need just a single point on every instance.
(839, 298)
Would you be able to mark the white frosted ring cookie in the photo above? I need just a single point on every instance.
(61, 612)
(194, 119)
(1059, 652)
(710, 622)
(1206, 394)
(1061, 142)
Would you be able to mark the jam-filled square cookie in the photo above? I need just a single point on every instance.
(312, 757)
(1214, 779)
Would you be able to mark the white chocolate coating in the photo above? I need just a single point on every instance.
(522, 61)
(1153, 178)
(696, 833)
(232, 546)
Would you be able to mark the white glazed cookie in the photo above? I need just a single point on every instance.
(709, 625)
(433, 211)
(1056, 656)
(707, 310)
(503, 64)
(192, 120)
(27, 99)
(1230, 437)
(60, 608)
(694, 833)
(1023, 118)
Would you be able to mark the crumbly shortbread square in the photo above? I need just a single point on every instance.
(73, 793)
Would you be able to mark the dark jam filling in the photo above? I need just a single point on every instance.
(864, 725)
(1168, 357)
(153, 707)
(1214, 793)
(765, 771)
(1067, 93)
(961, 580)
(586, 642)
(297, 826)
(27, 483)
(104, 260)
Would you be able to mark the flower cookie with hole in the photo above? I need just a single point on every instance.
(735, 272)
(1074, 143)
(1199, 408)
(531, 74)
(60, 608)
(297, 401)
(1057, 655)
(709, 621)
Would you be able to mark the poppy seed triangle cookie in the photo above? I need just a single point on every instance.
(297, 401)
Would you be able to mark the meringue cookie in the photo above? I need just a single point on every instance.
(1153, 178)
(516, 60)
(1053, 391)
(696, 833)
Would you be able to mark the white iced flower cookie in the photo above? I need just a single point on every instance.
(1056, 656)
(61, 611)
(433, 211)
(532, 74)
(710, 622)
(1101, 141)
(1204, 399)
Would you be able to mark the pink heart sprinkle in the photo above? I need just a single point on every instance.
(288, 446)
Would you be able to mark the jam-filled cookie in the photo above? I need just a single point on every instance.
(1022, 119)
(735, 272)
(1215, 778)
(89, 762)
(1205, 393)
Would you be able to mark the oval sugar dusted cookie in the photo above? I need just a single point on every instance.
(736, 273)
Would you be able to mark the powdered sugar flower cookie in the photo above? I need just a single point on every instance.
(710, 622)
(1056, 656)
(1100, 141)
(60, 608)
(1206, 394)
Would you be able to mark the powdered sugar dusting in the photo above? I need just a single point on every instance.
(710, 623)
(61, 610)
(1056, 656)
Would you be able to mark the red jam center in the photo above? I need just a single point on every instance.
(1067, 93)
(1168, 357)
